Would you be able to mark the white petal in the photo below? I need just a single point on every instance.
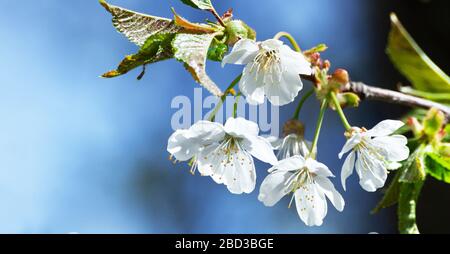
(181, 147)
(393, 148)
(244, 51)
(206, 132)
(293, 163)
(210, 163)
(236, 171)
(240, 127)
(311, 205)
(371, 172)
(260, 148)
(271, 44)
(274, 187)
(295, 60)
(280, 94)
(350, 144)
(347, 168)
(318, 168)
(328, 189)
(385, 128)
(251, 86)
(240, 175)
(184, 144)
(274, 141)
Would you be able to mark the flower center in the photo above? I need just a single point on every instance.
(300, 180)
(370, 155)
(267, 63)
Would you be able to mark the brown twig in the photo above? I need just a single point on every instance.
(379, 94)
(217, 16)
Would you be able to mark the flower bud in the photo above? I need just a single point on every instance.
(236, 30)
(348, 100)
(415, 125)
(294, 126)
(433, 123)
(341, 76)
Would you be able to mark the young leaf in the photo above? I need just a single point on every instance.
(438, 166)
(192, 49)
(391, 195)
(412, 62)
(414, 168)
(199, 4)
(193, 27)
(409, 195)
(433, 122)
(317, 49)
(139, 27)
(157, 48)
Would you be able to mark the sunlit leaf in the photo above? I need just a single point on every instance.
(433, 96)
(199, 4)
(407, 204)
(317, 49)
(414, 168)
(193, 27)
(438, 166)
(192, 49)
(157, 48)
(413, 63)
(139, 27)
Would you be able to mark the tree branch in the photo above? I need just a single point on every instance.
(379, 94)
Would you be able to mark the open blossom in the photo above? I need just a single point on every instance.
(308, 180)
(373, 153)
(272, 69)
(223, 152)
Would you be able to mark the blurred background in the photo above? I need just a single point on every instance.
(82, 154)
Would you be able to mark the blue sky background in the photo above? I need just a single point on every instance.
(82, 154)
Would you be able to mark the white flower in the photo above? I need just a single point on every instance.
(373, 152)
(308, 180)
(224, 152)
(272, 69)
(291, 145)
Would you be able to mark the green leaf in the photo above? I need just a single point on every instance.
(317, 49)
(199, 4)
(138, 27)
(414, 168)
(409, 195)
(391, 195)
(438, 166)
(437, 97)
(157, 48)
(192, 50)
(413, 63)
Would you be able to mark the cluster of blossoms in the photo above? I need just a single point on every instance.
(225, 152)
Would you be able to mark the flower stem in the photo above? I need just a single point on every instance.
(217, 16)
(323, 108)
(301, 102)
(339, 110)
(290, 38)
(236, 103)
(229, 90)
